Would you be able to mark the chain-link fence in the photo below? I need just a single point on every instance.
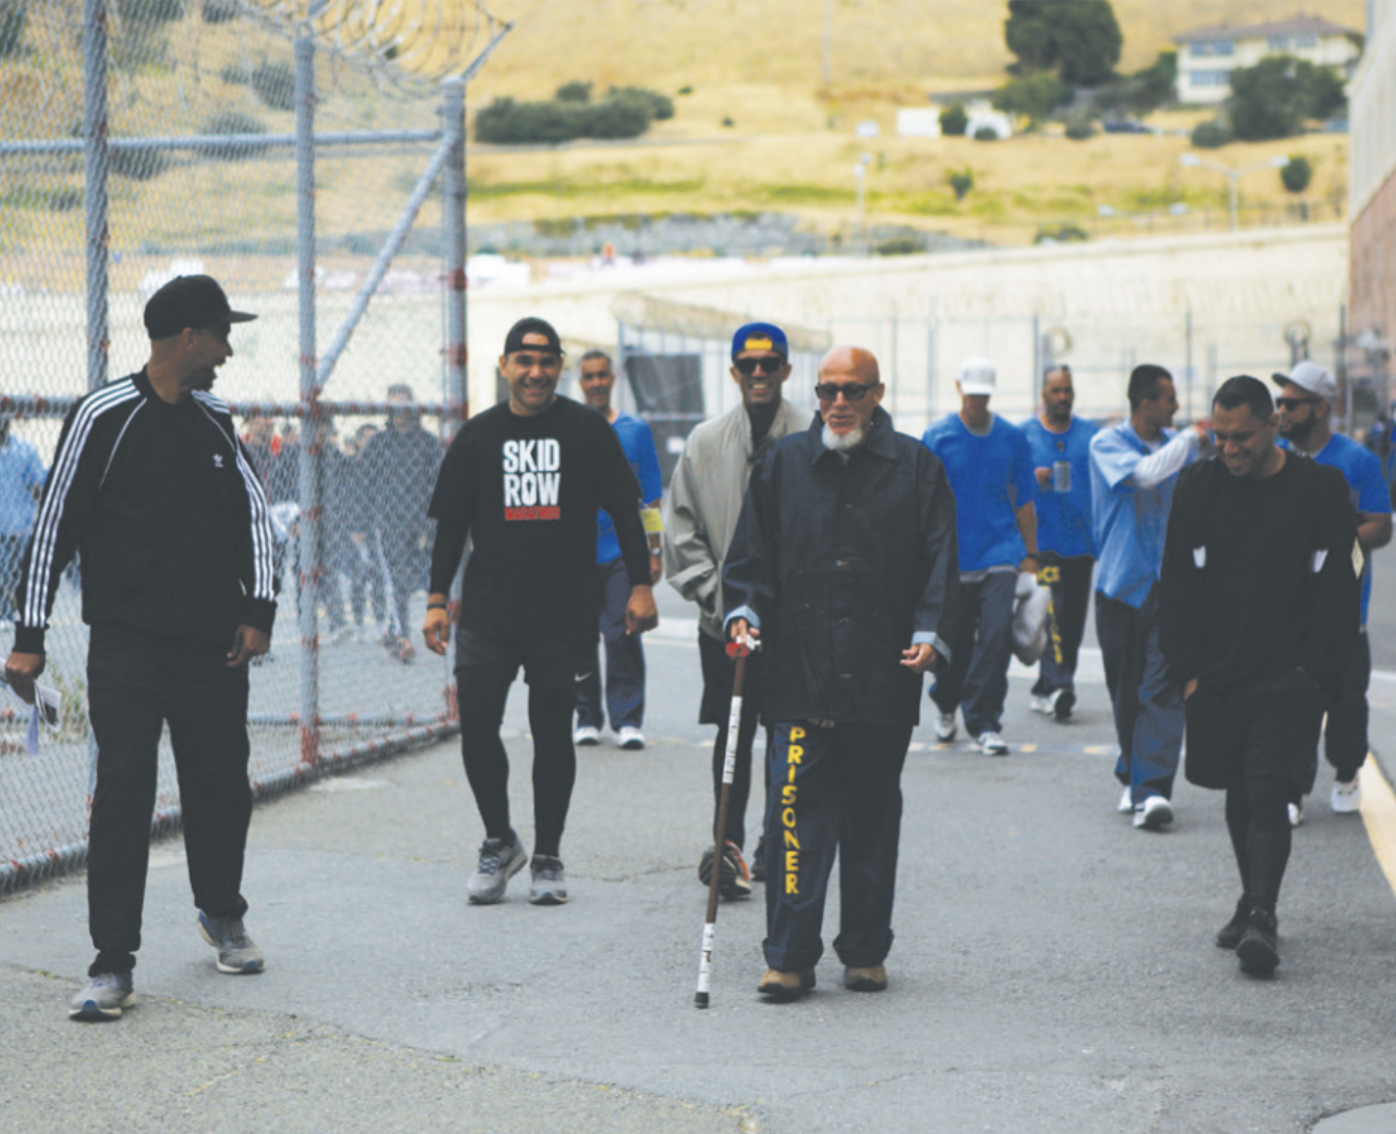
(143, 139)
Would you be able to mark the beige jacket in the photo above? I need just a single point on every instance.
(705, 500)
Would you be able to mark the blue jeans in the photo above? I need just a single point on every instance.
(1148, 702)
(625, 659)
(981, 644)
(833, 791)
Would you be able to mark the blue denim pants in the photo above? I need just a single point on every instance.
(981, 644)
(625, 660)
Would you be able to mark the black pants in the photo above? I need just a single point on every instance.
(718, 673)
(135, 685)
(1345, 731)
(484, 673)
(1070, 582)
(832, 791)
(1256, 742)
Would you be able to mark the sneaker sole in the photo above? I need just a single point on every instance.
(588, 742)
(864, 984)
(549, 899)
(1156, 820)
(509, 872)
(1065, 703)
(633, 745)
(90, 1012)
(247, 968)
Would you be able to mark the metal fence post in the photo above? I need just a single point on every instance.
(308, 541)
(94, 128)
(453, 193)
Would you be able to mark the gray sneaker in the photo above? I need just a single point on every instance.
(549, 881)
(499, 861)
(237, 953)
(104, 997)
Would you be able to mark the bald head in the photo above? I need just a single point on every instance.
(849, 390)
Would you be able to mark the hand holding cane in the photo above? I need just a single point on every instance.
(739, 648)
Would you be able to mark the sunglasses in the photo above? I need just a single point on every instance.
(1294, 403)
(749, 366)
(852, 392)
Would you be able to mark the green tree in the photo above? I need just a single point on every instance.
(1033, 97)
(13, 15)
(1272, 99)
(575, 91)
(1079, 39)
(953, 120)
(961, 181)
(1296, 176)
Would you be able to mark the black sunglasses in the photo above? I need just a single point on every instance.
(852, 391)
(749, 366)
(1294, 403)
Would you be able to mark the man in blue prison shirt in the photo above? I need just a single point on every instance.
(991, 472)
(1061, 452)
(1306, 399)
(625, 656)
(1134, 468)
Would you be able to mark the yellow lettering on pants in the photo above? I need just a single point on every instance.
(796, 732)
(792, 839)
(793, 754)
(792, 861)
(790, 884)
(787, 795)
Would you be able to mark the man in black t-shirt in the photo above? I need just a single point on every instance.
(524, 480)
(1258, 620)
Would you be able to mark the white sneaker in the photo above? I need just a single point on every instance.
(1045, 704)
(586, 736)
(1126, 804)
(945, 727)
(992, 744)
(1154, 814)
(631, 738)
(1296, 813)
(1346, 798)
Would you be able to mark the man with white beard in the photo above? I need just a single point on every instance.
(844, 563)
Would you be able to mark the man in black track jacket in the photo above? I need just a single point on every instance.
(152, 488)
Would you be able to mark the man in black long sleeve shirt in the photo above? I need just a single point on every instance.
(1260, 593)
(524, 480)
(152, 486)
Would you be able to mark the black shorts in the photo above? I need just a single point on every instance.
(1265, 729)
(546, 664)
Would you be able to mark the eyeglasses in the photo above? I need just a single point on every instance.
(529, 361)
(852, 391)
(749, 366)
(1295, 403)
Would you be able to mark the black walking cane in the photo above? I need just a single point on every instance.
(740, 649)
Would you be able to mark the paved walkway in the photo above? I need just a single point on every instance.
(1053, 969)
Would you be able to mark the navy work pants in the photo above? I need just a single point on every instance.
(1148, 703)
(832, 791)
(981, 645)
(1070, 583)
(625, 660)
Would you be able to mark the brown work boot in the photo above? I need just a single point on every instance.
(871, 979)
(785, 987)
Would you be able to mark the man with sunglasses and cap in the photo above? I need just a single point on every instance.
(152, 487)
(524, 482)
(705, 500)
(1307, 396)
(844, 564)
(990, 467)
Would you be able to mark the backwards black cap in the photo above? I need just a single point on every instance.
(189, 301)
(531, 325)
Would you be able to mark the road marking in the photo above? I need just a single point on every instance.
(1379, 816)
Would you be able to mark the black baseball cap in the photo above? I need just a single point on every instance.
(189, 301)
(531, 325)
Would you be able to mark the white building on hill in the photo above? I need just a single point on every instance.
(1207, 57)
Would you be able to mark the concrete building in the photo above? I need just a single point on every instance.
(1372, 198)
(1207, 57)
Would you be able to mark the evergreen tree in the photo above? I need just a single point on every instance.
(1079, 39)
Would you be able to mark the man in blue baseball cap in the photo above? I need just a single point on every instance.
(705, 500)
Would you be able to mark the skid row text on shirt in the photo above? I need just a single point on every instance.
(532, 482)
(790, 838)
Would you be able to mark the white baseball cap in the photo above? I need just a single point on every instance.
(978, 376)
(1309, 375)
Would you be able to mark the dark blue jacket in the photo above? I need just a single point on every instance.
(841, 564)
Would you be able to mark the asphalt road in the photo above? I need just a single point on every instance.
(1053, 969)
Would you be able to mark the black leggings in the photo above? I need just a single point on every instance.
(482, 693)
(1257, 818)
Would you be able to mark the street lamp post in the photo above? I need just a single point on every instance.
(1279, 161)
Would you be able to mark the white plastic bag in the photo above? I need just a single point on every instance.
(1030, 608)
